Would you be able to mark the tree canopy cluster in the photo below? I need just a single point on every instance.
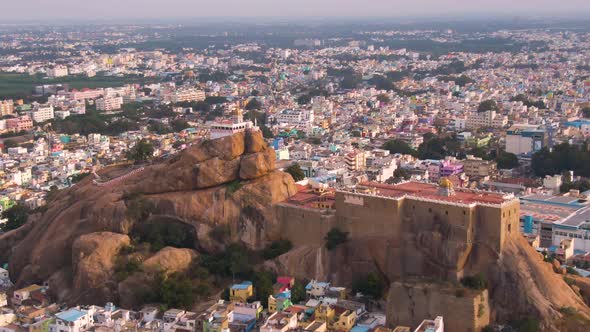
(370, 285)
(435, 147)
(563, 157)
(16, 217)
(142, 151)
(487, 105)
(398, 146)
(528, 103)
(462, 80)
(93, 122)
(335, 237)
(296, 172)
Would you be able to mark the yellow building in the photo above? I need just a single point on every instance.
(241, 292)
(345, 321)
(324, 313)
(316, 326)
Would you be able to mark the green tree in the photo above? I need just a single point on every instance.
(398, 146)
(563, 157)
(253, 104)
(78, 177)
(16, 217)
(276, 248)
(487, 105)
(9, 143)
(438, 147)
(304, 99)
(53, 190)
(382, 83)
(142, 151)
(401, 174)
(350, 80)
(266, 132)
(507, 160)
(296, 172)
(176, 292)
(298, 293)
(335, 237)
(370, 285)
(178, 125)
(581, 185)
(263, 284)
(477, 281)
(383, 98)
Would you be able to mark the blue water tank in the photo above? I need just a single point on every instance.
(528, 224)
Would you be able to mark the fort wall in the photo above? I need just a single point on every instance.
(304, 226)
(463, 309)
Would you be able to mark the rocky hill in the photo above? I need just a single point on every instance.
(521, 285)
(225, 186)
(225, 191)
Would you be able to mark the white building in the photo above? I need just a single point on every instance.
(6, 107)
(72, 320)
(62, 114)
(485, 119)
(298, 118)
(187, 95)
(429, 325)
(280, 322)
(228, 128)
(553, 183)
(524, 139)
(57, 71)
(42, 113)
(109, 104)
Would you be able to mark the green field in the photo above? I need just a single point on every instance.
(14, 85)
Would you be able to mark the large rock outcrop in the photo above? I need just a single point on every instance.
(93, 260)
(228, 181)
(170, 260)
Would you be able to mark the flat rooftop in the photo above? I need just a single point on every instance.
(432, 191)
(71, 315)
(560, 210)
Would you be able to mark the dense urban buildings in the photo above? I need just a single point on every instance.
(363, 178)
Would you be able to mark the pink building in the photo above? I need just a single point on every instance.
(19, 124)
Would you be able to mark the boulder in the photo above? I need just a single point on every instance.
(228, 147)
(216, 171)
(257, 164)
(93, 258)
(170, 260)
(255, 142)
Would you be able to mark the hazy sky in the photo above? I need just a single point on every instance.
(117, 9)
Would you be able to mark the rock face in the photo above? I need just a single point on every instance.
(170, 260)
(93, 259)
(411, 301)
(523, 285)
(520, 283)
(203, 187)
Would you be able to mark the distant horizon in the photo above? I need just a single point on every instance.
(39, 11)
(402, 19)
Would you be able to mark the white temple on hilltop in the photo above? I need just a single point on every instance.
(230, 127)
